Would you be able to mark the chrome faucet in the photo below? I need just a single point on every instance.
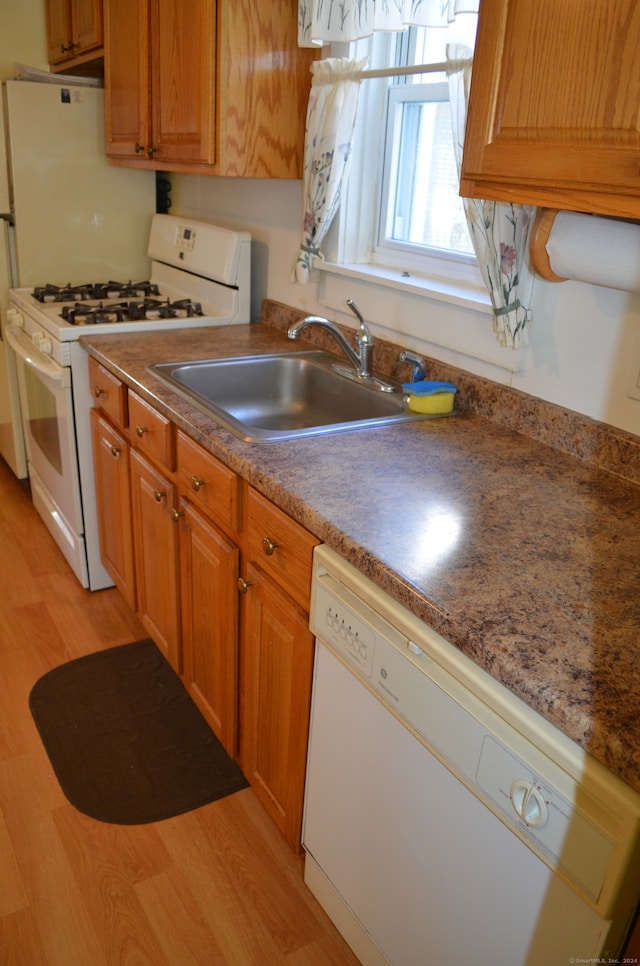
(360, 357)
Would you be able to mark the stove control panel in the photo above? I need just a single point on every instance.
(185, 238)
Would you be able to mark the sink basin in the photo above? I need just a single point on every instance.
(282, 396)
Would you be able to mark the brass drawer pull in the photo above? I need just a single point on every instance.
(176, 514)
(141, 430)
(99, 391)
(196, 483)
(243, 585)
(114, 450)
(269, 546)
(159, 495)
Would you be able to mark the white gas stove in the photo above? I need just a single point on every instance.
(200, 277)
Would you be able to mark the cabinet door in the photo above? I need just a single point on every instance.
(58, 30)
(264, 80)
(277, 661)
(86, 19)
(155, 531)
(554, 114)
(113, 494)
(183, 45)
(209, 603)
(126, 65)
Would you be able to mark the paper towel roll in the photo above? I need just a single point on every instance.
(587, 248)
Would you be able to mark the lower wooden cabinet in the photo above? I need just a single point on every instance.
(277, 663)
(220, 578)
(209, 567)
(155, 532)
(276, 660)
(111, 457)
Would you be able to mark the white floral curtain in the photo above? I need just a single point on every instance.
(499, 230)
(330, 21)
(331, 116)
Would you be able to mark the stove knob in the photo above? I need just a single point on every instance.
(15, 317)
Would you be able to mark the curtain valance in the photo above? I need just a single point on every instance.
(329, 21)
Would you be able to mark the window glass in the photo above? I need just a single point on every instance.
(402, 207)
(420, 203)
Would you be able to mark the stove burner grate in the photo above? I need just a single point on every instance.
(94, 290)
(126, 290)
(134, 311)
(63, 293)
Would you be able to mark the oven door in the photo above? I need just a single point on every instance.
(47, 414)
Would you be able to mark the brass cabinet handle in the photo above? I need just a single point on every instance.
(139, 148)
(196, 483)
(159, 495)
(114, 450)
(269, 546)
(243, 585)
(176, 514)
(99, 391)
(150, 151)
(141, 430)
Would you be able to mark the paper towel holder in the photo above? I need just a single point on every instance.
(538, 238)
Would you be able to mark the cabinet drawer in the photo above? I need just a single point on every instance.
(109, 393)
(280, 546)
(208, 484)
(151, 432)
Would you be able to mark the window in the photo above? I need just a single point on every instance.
(402, 208)
(420, 207)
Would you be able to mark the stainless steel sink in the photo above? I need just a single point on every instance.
(281, 396)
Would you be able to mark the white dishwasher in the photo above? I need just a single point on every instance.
(445, 821)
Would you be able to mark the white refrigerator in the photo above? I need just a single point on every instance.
(66, 215)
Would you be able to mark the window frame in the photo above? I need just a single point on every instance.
(387, 246)
(354, 236)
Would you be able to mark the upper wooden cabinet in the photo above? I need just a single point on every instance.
(74, 32)
(554, 112)
(211, 87)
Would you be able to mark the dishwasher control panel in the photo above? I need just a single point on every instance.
(524, 788)
(349, 635)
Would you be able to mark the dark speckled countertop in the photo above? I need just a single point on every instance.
(525, 554)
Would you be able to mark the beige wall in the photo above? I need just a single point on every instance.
(582, 339)
(22, 35)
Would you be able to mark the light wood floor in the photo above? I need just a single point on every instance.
(215, 886)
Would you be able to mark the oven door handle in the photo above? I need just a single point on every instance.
(26, 351)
